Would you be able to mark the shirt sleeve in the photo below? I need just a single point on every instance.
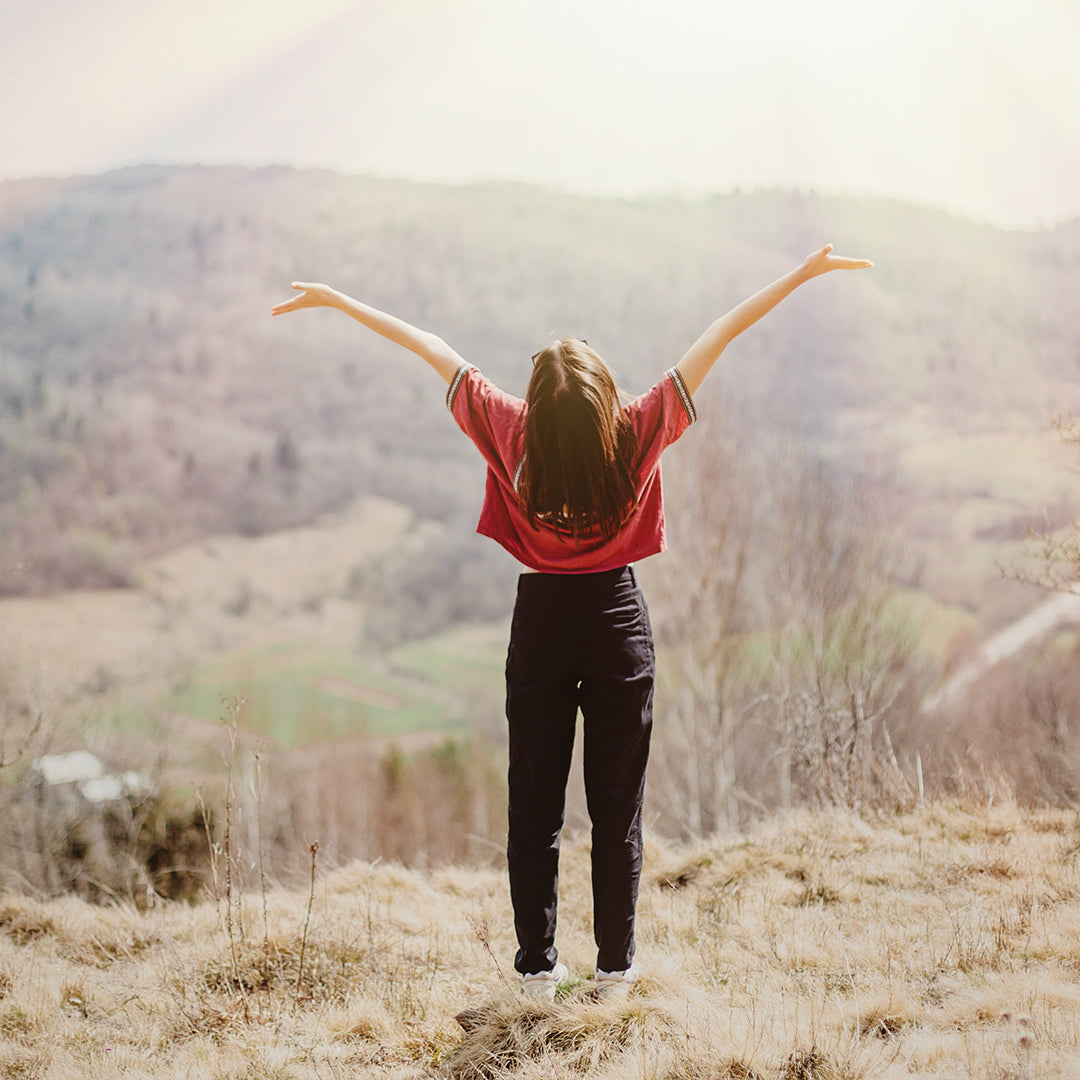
(491, 418)
(659, 417)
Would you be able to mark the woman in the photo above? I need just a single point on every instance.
(573, 492)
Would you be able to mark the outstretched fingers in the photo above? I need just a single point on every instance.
(839, 262)
(284, 306)
(821, 262)
(311, 295)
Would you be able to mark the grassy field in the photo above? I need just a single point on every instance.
(462, 659)
(271, 620)
(944, 942)
(304, 692)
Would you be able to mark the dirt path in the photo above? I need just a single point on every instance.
(1058, 611)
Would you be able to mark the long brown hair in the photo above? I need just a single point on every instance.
(576, 475)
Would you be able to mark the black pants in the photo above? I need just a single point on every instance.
(577, 640)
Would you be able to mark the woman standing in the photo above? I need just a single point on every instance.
(573, 492)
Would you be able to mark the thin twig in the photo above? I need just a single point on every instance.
(479, 926)
(307, 917)
(262, 868)
(234, 929)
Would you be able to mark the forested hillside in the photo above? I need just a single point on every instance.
(146, 397)
(206, 511)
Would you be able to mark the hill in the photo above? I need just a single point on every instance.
(198, 502)
(826, 946)
(147, 400)
(282, 620)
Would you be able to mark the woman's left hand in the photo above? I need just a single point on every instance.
(821, 262)
(311, 295)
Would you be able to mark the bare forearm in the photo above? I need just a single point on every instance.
(426, 345)
(700, 357)
(698, 360)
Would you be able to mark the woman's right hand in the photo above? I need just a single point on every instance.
(821, 262)
(312, 294)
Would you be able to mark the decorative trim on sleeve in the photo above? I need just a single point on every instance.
(458, 379)
(684, 394)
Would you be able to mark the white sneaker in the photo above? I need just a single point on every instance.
(616, 984)
(543, 984)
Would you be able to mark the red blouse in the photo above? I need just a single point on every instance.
(495, 422)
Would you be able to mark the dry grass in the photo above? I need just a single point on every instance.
(830, 946)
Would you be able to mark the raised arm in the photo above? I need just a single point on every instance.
(430, 347)
(698, 360)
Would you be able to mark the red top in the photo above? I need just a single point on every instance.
(495, 422)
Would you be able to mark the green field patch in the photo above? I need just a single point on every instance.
(467, 658)
(299, 693)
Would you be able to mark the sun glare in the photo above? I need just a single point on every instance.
(968, 105)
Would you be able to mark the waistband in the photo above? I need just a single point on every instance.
(535, 584)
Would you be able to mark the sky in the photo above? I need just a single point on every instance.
(969, 105)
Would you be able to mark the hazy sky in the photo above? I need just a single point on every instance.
(973, 105)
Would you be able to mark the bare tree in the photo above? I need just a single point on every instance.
(841, 650)
(786, 664)
(701, 601)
